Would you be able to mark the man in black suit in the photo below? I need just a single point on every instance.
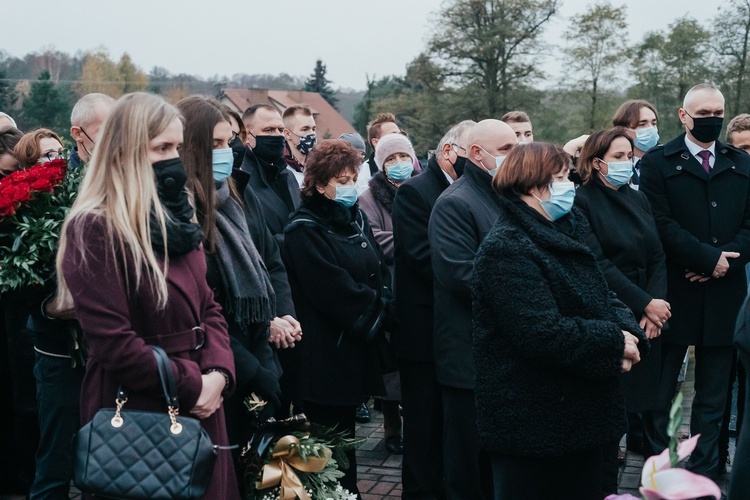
(420, 393)
(699, 189)
(740, 485)
(460, 220)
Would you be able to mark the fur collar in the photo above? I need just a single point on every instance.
(328, 212)
(383, 191)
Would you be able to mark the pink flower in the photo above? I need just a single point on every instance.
(660, 481)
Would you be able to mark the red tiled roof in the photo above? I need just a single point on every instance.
(329, 122)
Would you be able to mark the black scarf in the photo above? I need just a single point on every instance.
(250, 297)
(383, 191)
(183, 235)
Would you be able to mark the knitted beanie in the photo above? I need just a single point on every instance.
(392, 144)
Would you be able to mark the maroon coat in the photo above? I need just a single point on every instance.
(119, 326)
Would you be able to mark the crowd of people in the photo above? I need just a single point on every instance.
(515, 307)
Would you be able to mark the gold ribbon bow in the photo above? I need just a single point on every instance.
(281, 468)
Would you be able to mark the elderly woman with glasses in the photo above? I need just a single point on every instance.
(38, 146)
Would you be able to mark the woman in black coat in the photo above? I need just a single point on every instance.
(550, 338)
(338, 281)
(624, 235)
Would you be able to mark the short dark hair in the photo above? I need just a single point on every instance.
(9, 137)
(515, 117)
(247, 116)
(302, 109)
(596, 146)
(629, 113)
(530, 166)
(739, 123)
(373, 128)
(327, 160)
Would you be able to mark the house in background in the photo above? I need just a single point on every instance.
(329, 122)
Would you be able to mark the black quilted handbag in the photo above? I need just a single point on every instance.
(144, 455)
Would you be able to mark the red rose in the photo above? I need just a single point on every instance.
(42, 184)
(20, 193)
(7, 207)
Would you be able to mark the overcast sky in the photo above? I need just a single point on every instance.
(354, 38)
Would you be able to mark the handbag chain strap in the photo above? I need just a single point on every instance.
(168, 386)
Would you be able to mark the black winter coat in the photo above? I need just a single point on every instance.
(337, 275)
(548, 344)
(623, 227)
(699, 216)
(462, 217)
(415, 302)
(624, 236)
(277, 191)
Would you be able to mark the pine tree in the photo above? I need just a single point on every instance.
(319, 83)
(46, 106)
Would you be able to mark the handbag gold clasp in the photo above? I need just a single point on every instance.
(176, 427)
(117, 419)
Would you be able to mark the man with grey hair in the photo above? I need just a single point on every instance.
(698, 188)
(420, 393)
(86, 120)
(7, 120)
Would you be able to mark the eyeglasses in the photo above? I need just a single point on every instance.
(459, 148)
(51, 155)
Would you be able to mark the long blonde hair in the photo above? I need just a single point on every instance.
(119, 185)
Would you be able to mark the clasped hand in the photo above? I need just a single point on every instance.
(722, 266)
(630, 354)
(284, 332)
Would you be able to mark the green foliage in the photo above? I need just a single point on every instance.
(320, 84)
(46, 106)
(675, 421)
(730, 38)
(492, 44)
(597, 48)
(8, 94)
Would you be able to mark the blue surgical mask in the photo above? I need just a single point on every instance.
(618, 172)
(498, 161)
(562, 195)
(400, 171)
(347, 195)
(223, 159)
(646, 138)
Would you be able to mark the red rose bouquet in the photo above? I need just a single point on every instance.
(33, 205)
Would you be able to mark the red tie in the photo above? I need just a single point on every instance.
(705, 155)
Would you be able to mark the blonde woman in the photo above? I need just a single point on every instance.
(131, 262)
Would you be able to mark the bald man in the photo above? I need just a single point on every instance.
(461, 218)
(699, 193)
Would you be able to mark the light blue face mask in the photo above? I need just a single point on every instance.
(498, 161)
(346, 195)
(223, 159)
(400, 171)
(618, 172)
(562, 195)
(646, 138)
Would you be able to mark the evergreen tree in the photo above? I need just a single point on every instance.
(46, 106)
(320, 84)
(8, 94)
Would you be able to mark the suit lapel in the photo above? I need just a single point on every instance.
(723, 162)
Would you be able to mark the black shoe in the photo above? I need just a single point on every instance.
(723, 462)
(362, 414)
(394, 445)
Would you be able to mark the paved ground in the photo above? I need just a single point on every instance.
(380, 472)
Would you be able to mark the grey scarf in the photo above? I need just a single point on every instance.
(249, 294)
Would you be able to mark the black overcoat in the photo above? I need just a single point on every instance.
(624, 235)
(548, 343)
(277, 191)
(699, 216)
(462, 217)
(337, 274)
(415, 304)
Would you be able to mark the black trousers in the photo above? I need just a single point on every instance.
(422, 469)
(573, 475)
(467, 468)
(737, 373)
(58, 391)
(343, 418)
(739, 487)
(712, 368)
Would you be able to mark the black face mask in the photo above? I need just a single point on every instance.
(706, 129)
(170, 184)
(238, 151)
(269, 148)
(458, 166)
